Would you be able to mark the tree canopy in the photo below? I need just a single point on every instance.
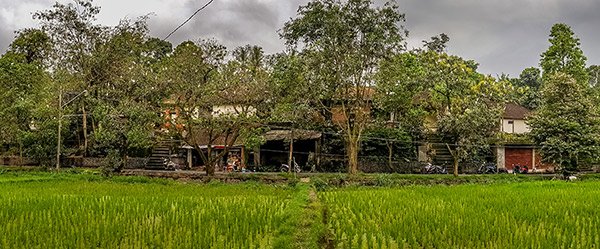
(345, 72)
(566, 125)
(343, 43)
(564, 55)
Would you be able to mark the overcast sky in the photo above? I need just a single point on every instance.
(502, 35)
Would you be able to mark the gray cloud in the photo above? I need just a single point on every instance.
(236, 23)
(15, 15)
(503, 36)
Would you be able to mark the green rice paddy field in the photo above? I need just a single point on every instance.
(44, 210)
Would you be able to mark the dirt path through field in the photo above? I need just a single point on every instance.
(312, 230)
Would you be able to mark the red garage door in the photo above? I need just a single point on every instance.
(519, 156)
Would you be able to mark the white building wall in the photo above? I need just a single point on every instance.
(232, 110)
(515, 126)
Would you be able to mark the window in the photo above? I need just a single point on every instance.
(511, 123)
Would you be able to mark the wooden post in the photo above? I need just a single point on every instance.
(318, 152)
(257, 161)
(243, 159)
(189, 158)
(291, 154)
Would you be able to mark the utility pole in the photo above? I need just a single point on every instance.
(58, 143)
(61, 106)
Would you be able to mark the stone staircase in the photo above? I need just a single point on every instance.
(442, 154)
(156, 161)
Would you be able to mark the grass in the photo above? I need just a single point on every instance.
(42, 210)
(82, 209)
(516, 215)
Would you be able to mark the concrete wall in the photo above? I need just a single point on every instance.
(500, 157)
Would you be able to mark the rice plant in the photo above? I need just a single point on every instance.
(522, 215)
(78, 213)
(65, 211)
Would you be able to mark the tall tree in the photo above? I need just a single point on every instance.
(466, 104)
(294, 102)
(189, 71)
(74, 36)
(23, 87)
(564, 55)
(343, 43)
(566, 125)
(125, 94)
(73, 33)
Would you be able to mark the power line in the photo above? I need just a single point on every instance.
(190, 18)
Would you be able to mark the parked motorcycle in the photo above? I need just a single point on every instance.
(434, 169)
(487, 168)
(518, 169)
(286, 168)
(170, 165)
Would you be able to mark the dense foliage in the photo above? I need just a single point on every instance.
(566, 125)
(73, 87)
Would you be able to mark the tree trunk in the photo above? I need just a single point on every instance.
(190, 163)
(210, 163)
(210, 169)
(455, 157)
(456, 166)
(352, 155)
(318, 154)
